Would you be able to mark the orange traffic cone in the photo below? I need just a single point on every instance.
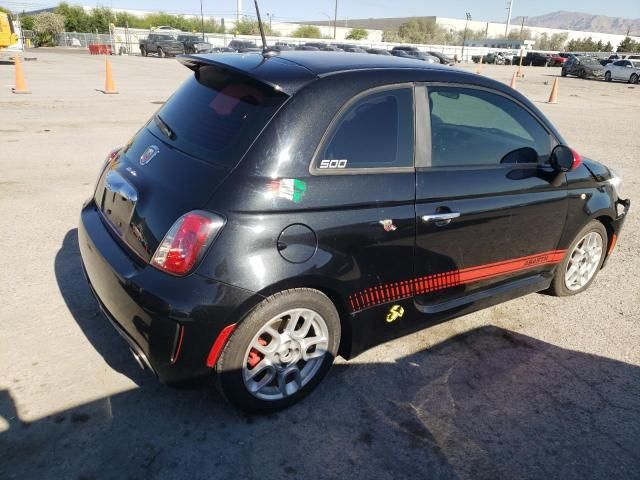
(21, 84)
(553, 98)
(513, 80)
(109, 84)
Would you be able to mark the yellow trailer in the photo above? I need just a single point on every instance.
(8, 36)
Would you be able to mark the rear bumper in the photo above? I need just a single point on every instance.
(169, 322)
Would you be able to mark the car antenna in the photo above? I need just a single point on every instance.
(265, 50)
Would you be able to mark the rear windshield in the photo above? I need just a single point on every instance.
(216, 115)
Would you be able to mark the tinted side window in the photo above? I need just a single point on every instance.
(619, 63)
(476, 127)
(375, 132)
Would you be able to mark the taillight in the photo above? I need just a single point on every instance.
(186, 241)
(577, 159)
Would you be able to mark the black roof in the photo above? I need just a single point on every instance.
(289, 71)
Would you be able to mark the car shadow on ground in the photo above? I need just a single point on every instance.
(489, 403)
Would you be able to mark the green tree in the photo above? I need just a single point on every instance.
(75, 18)
(46, 26)
(306, 31)
(629, 45)
(551, 42)
(357, 34)
(26, 22)
(420, 30)
(608, 47)
(248, 27)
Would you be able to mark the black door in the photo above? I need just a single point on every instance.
(490, 210)
(364, 181)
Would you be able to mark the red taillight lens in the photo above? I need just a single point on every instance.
(186, 241)
(577, 159)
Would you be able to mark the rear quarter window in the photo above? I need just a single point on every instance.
(374, 132)
(216, 114)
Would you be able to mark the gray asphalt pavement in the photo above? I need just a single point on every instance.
(539, 387)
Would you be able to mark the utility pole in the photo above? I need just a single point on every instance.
(335, 21)
(239, 10)
(522, 28)
(464, 38)
(506, 30)
(202, 20)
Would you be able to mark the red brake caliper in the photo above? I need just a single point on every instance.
(254, 355)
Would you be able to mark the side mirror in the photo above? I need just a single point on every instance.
(564, 159)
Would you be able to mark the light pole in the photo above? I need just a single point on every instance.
(509, 8)
(270, 15)
(202, 20)
(335, 21)
(328, 21)
(464, 38)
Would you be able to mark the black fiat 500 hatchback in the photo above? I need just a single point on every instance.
(280, 210)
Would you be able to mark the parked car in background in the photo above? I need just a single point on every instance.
(222, 50)
(163, 44)
(236, 45)
(497, 58)
(557, 60)
(194, 44)
(355, 50)
(230, 239)
(307, 48)
(378, 51)
(400, 53)
(281, 48)
(583, 67)
(425, 57)
(444, 59)
(623, 70)
(325, 47)
(536, 59)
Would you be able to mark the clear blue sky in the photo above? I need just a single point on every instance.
(290, 10)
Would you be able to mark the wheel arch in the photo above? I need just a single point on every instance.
(607, 221)
(331, 289)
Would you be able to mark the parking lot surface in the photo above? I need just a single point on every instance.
(539, 387)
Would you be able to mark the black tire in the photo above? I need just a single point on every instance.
(228, 369)
(558, 287)
(634, 79)
(607, 76)
(143, 52)
(582, 74)
(161, 53)
(563, 72)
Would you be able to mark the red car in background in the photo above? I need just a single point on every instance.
(558, 59)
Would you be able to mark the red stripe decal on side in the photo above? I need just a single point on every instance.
(428, 283)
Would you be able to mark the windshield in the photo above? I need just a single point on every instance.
(635, 63)
(589, 61)
(216, 115)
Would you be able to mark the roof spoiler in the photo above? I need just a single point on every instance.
(258, 68)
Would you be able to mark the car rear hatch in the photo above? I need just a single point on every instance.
(183, 154)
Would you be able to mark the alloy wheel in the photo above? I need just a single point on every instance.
(584, 261)
(285, 354)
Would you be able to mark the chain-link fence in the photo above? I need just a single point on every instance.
(83, 40)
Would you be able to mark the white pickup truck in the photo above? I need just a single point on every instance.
(625, 70)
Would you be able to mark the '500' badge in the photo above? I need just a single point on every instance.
(148, 154)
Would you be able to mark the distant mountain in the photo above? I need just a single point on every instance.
(584, 22)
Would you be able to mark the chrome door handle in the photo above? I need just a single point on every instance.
(440, 219)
